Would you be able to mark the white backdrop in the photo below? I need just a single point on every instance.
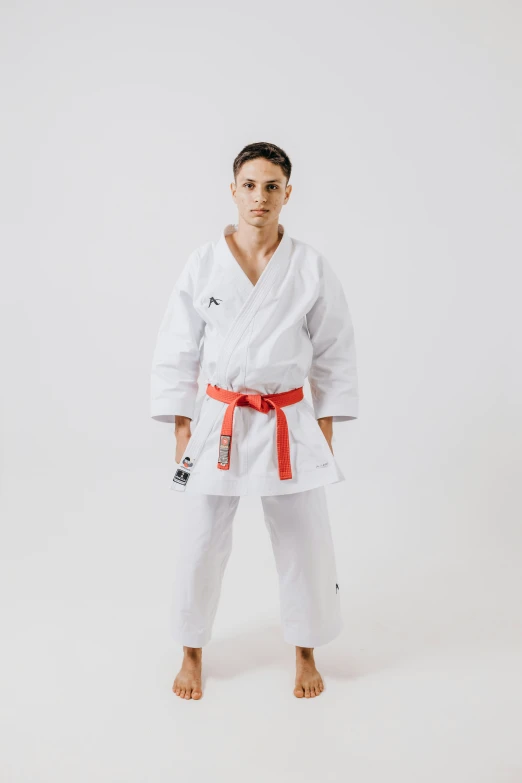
(119, 126)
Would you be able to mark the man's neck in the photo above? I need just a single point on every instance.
(254, 242)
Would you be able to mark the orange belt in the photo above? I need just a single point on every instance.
(262, 403)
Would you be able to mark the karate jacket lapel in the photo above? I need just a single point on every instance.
(254, 294)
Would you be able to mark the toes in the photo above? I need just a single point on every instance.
(190, 692)
(307, 692)
(298, 691)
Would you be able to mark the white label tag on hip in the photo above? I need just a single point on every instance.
(181, 476)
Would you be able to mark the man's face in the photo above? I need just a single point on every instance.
(261, 185)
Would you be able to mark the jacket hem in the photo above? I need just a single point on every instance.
(260, 485)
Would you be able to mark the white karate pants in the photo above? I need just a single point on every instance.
(302, 544)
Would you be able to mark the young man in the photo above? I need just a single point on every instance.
(258, 312)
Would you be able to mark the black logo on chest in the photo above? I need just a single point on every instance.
(215, 301)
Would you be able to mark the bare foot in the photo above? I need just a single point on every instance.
(187, 684)
(308, 681)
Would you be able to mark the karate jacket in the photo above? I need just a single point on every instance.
(293, 324)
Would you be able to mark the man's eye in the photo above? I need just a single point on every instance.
(247, 184)
(273, 186)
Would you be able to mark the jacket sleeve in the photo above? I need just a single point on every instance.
(333, 371)
(176, 359)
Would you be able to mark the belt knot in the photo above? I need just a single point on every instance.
(255, 401)
(262, 403)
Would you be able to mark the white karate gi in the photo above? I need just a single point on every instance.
(302, 544)
(256, 339)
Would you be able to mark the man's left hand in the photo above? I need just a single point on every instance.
(326, 425)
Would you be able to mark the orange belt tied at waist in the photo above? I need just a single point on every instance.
(262, 403)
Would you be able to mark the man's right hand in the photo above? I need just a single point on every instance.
(183, 435)
(181, 444)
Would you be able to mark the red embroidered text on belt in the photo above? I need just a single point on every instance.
(262, 403)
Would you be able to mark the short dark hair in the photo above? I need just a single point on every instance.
(263, 149)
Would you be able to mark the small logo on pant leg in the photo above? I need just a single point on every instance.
(212, 300)
(336, 587)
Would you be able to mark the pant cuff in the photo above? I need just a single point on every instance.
(313, 640)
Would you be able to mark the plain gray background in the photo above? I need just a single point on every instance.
(119, 126)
